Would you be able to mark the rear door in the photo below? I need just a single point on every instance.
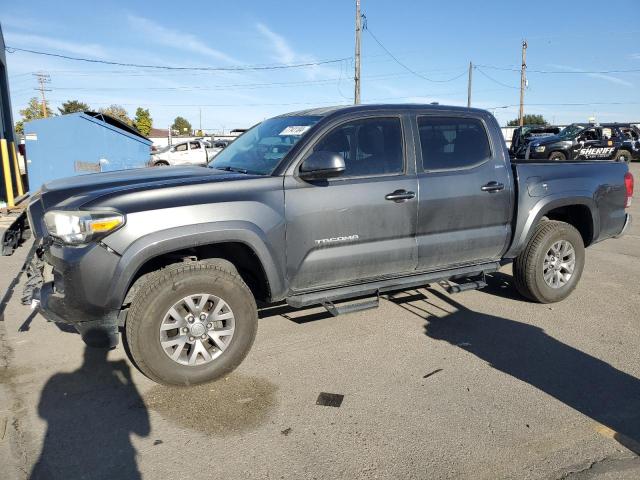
(591, 144)
(465, 207)
(361, 225)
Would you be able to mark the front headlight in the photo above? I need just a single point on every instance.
(540, 149)
(78, 226)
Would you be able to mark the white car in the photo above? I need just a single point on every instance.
(193, 152)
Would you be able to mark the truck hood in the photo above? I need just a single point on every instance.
(74, 192)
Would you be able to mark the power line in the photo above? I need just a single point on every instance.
(567, 104)
(166, 67)
(561, 72)
(493, 79)
(410, 70)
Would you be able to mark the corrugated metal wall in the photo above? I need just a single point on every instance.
(77, 144)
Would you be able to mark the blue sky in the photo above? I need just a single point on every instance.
(436, 39)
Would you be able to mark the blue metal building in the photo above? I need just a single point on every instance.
(81, 143)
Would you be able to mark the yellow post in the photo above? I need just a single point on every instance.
(17, 167)
(6, 171)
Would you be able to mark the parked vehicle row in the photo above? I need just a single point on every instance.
(312, 208)
(193, 152)
(578, 141)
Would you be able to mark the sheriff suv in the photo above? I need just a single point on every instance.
(580, 142)
(311, 208)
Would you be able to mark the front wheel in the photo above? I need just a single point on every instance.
(191, 323)
(550, 266)
(557, 157)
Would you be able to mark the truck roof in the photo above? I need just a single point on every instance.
(326, 111)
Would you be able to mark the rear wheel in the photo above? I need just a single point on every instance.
(550, 266)
(191, 323)
(161, 163)
(623, 156)
(557, 157)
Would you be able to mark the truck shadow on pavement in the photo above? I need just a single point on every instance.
(91, 414)
(526, 352)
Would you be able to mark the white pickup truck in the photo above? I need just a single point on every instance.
(193, 152)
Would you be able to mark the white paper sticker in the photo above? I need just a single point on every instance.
(31, 136)
(295, 130)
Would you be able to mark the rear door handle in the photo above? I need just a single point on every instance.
(492, 187)
(400, 196)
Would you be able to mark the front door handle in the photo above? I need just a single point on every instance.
(492, 187)
(400, 196)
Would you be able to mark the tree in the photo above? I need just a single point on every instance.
(73, 106)
(32, 111)
(143, 121)
(116, 111)
(181, 125)
(529, 119)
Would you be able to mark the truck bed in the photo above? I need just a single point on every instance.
(597, 185)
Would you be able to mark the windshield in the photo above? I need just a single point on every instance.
(260, 149)
(571, 131)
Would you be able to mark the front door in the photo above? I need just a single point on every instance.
(360, 225)
(464, 213)
(179, 154)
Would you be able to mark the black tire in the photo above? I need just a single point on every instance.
(623, 156)
(528, 266)
(161, 163)
(160, 291)
(557, 157)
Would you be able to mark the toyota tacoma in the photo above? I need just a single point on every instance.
(314, 207)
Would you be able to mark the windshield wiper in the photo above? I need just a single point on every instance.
(232, 169)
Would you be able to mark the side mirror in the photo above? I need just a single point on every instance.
(321, 165)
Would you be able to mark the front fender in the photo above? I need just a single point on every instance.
(189, 236)
(525, 227)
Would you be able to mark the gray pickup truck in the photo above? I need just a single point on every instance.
(312, 208)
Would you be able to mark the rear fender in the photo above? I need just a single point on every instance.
(525, 229)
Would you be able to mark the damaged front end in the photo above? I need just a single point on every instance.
(47, 290)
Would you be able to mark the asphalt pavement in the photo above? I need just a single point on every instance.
(478, 385)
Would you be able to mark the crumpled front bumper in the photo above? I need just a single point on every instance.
(56, 287)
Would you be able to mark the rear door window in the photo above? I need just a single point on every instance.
(451, 143)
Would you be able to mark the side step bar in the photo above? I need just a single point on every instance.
(351, 307)
(463, 287)
(388, 285)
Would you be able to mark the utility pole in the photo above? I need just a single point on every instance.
(356, 97)
(523, 81)
(200, 110)
(469, 85)
(43, 79)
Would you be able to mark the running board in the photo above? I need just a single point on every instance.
(463, 287)
(388, 285)
(351, 307)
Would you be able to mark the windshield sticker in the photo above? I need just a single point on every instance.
(295, 131)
